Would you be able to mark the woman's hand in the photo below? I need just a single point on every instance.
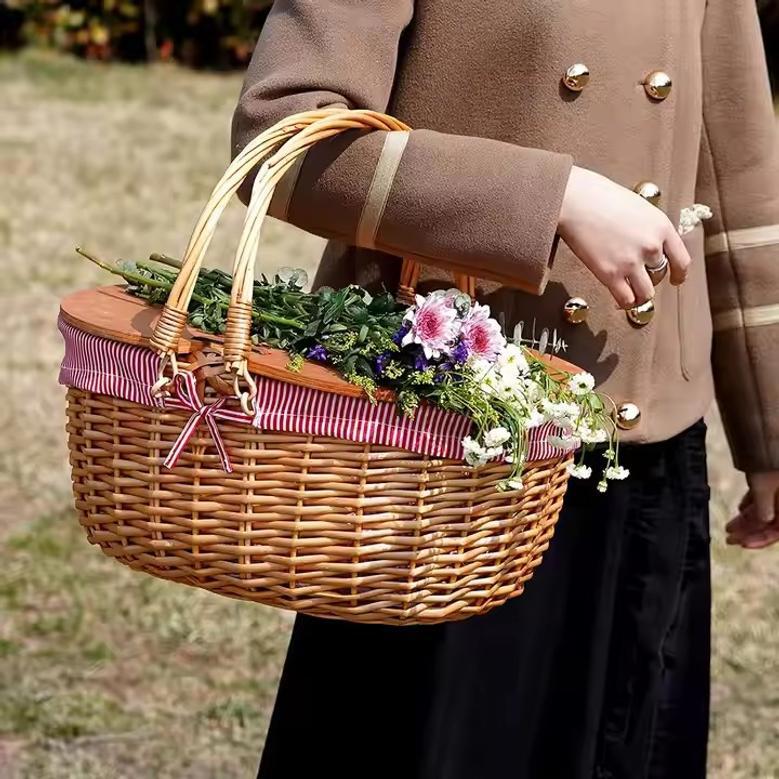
(757, 523)
(617, 235)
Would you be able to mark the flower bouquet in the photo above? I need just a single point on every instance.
(446, 350)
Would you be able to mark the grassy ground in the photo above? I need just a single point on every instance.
(104, 673)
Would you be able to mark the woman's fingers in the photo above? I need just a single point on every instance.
(623, 293)
(642, 286)
(749, 531)
(616, 233)
(678, 257)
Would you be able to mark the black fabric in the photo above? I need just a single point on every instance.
(600, 669)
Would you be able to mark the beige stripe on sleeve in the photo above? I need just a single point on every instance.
(747, 238)
(747, 317)
(282, 195)
(379, 190)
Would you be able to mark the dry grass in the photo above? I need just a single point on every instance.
(104, 673)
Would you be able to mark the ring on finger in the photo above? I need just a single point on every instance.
(658, 272)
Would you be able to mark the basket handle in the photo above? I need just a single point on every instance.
(237, 338)
(170, 325)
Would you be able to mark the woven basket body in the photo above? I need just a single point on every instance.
(331, 528)
(322, 525)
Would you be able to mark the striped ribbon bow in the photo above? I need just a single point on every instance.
(184, 397)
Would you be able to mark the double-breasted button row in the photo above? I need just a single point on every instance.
(657, 83)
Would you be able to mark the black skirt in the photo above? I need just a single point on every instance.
(600, 669)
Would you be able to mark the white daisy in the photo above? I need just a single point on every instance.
(512, 359)
(591, 435)
(581, 383)
(474, 452)
(581, 471)
(496, 437)
(564, 414)
(566, 443)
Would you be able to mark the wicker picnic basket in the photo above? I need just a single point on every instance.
(317, 523)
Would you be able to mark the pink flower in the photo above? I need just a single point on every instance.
(481, 334)
(433, 324)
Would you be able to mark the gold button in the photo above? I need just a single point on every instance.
(641, 315)
(575, 310)
(576, 77)
(628, 416)
(658, 85)
(649, 191)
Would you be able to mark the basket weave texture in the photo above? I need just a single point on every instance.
(332, 528)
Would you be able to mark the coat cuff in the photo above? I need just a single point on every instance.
(744, 360)
(486, 207)
(471, 205)
(741, 269)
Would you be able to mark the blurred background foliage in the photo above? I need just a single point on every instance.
(201, 33)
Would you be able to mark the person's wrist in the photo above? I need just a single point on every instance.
(569, 198)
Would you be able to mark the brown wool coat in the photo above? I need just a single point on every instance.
(482, 176)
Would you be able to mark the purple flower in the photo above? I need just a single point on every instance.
(421, 363)
(381, 362)
(443, 369)
(318, 353)
(401, 334)
(460, 352)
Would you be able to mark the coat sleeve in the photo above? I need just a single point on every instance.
(739, 178)
(483, 204)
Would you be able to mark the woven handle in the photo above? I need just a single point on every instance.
(237, 342)
(284, 142)
(237, 339)
(174, 314)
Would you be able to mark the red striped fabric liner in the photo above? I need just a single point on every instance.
(539, 447)
(107, 367)
(294, 409)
